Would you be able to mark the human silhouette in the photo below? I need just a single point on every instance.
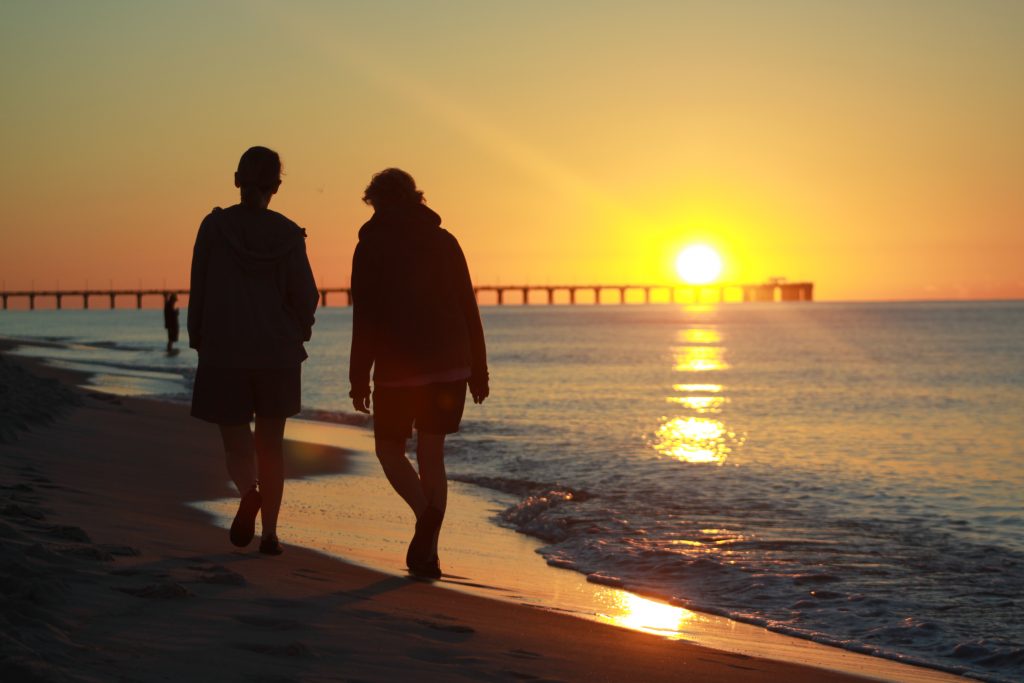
(415, 321)
(251, 306)
(171, 320)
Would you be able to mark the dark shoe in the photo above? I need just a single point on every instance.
(427, 570)
(270, 546)
(243, 528)
(421, 547)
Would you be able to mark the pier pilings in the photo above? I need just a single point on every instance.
(771, 291)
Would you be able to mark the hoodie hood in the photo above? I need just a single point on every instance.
(410, 218)
(258, 238)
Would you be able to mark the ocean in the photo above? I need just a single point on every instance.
(850, 473)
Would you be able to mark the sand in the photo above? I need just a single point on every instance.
(107, 574)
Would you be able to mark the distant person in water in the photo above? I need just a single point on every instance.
(250, 309)
(171, 320)
(416, 323)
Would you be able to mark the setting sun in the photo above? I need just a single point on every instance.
(698, 265)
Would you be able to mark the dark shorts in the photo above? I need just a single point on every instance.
(231, 396)
(431, 408)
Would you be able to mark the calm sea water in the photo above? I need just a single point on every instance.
(851, 473)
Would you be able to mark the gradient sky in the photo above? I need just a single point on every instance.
(875, 148)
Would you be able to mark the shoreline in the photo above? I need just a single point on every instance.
(170, 415)
(365, 523)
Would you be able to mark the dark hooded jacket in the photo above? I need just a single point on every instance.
(252, 296)
(415, 311)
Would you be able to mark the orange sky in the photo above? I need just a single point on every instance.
(873, 148)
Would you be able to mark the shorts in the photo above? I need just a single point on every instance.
(232, 396)
(431, 408)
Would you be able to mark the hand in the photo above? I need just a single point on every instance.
(361, 401)
(479, 388)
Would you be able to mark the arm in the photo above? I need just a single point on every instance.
(197, 285)
(361, 356)
(301, 292)
(479, 379)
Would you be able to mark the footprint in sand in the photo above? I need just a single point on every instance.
(294, 649)
(450, 628)
(448, 633)
(22, 511)
(68, 533)
(523, 676)
(311, 574)
(280, 603)
(218, 575)
(271, 623)
(159, 591)
(729, 664)
(135, 571)
(87, 552)
(8, 531)
(121, 550)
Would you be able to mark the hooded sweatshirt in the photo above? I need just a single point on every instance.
(252, 296)
(415, 318)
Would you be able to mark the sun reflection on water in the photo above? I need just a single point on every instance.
(691, 437)
(708, 388)
(699, 335)
(699, 358)
(700, 404)
(640, 614)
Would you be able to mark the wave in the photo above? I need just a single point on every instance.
(827, 605)
(336, 417)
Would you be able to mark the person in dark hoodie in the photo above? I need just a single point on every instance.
(251, 306)
(415, 321)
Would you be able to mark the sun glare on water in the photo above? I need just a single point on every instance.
(698, 265)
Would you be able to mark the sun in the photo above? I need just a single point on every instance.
(698, 265)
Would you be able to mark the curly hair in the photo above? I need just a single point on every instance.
(392, 187)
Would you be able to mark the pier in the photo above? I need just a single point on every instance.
(773, 290)
(84, 295)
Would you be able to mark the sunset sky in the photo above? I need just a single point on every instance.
(875, 148)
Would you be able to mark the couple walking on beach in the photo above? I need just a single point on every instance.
(415, 323)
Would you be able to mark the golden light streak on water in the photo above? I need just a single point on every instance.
(692, 439)
(650, 616)
(700, 404)
(690, 388)
(699, 335)
(699, 358)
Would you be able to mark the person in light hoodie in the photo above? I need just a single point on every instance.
(251, 304)
(416, 324)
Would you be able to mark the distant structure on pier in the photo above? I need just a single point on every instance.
(775, 289)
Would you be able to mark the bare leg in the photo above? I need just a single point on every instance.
(238, 454)
(433, 477)
(400, 472)
(270, 459)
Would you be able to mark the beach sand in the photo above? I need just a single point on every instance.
(108, 574)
